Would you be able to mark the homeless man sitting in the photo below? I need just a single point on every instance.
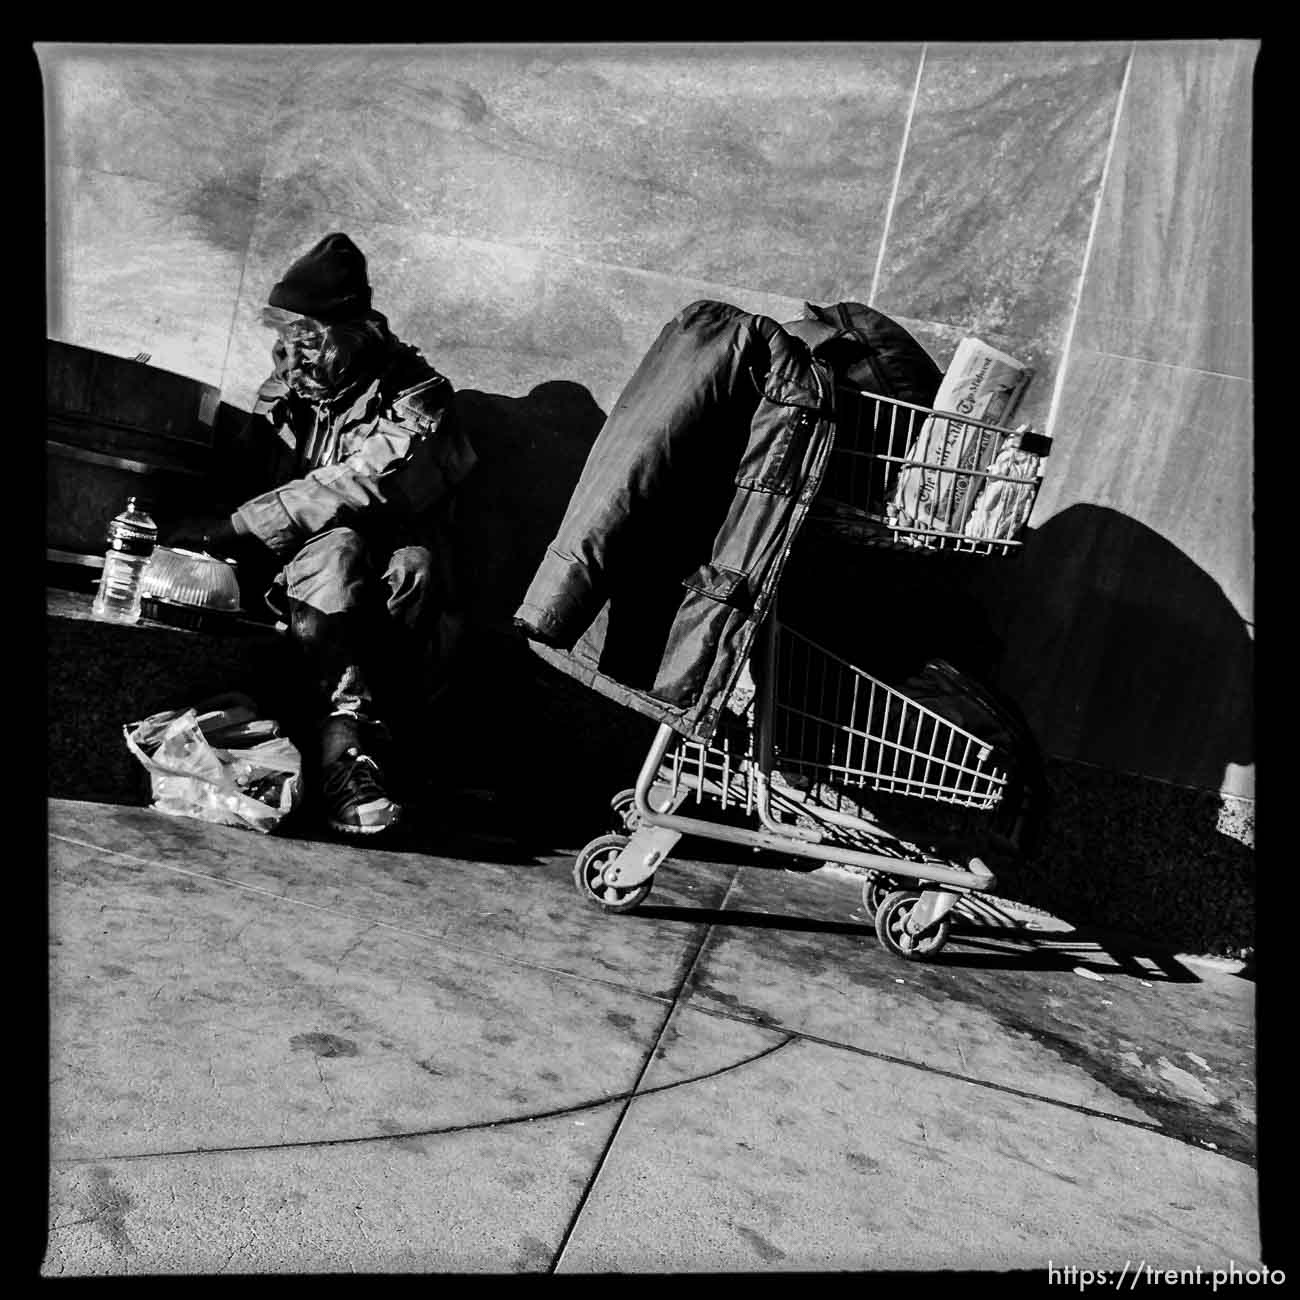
(347, 470)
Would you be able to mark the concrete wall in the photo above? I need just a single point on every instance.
(533, 215)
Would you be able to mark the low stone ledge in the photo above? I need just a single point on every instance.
(1143, 855)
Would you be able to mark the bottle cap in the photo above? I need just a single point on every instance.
(132, 532)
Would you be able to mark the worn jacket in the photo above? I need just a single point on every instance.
(669, 553)
(383, 457)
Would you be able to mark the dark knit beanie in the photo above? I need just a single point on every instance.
(327, 283)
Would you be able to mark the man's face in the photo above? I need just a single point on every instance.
(297, 351)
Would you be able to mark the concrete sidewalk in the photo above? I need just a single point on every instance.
(277, 1055)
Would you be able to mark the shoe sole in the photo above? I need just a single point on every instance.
(349, 829)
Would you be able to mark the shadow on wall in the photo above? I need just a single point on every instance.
(552, 751)
(1122, 651)
(1127, 657)
(531, 451)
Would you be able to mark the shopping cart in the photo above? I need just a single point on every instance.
(824, 754)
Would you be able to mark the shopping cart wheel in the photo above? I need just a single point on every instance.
(891, 928)
(626, 816)
(876, 887)
(589, 876)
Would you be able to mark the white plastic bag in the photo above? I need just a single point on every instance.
(253, 786)
(1002, 508)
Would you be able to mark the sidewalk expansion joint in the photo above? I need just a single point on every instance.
(687, 969)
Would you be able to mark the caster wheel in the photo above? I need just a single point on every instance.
(891, 928)
(875, 889)
(588, 876)
(626, 816)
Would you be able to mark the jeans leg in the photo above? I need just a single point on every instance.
(330, 605)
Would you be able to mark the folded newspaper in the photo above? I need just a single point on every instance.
(931, 492)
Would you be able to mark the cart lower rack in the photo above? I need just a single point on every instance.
(818, 726)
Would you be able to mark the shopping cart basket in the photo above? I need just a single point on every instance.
(824, 746)
(920, 479)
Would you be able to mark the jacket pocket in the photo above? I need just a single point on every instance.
(728, 586)
(715, 598)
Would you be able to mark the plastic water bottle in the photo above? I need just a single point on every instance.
(131, 539)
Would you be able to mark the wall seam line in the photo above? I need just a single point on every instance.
(898, 176)
(1171, 365)
(1058, 387)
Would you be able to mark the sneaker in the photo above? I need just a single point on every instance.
(355, 799)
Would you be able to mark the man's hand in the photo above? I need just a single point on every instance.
(215, 534)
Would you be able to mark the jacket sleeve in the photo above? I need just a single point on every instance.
(408, 462)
